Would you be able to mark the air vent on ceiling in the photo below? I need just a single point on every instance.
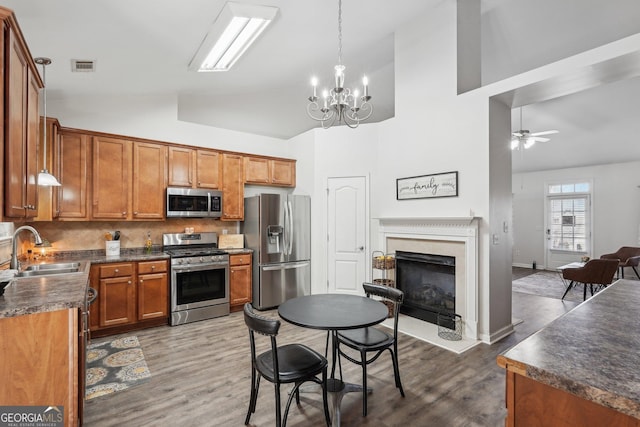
(83, 66)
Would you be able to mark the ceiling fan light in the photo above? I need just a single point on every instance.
(47, 180)
(515, 143)
(528, 143)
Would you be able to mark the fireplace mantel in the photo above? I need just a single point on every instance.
(458, 230)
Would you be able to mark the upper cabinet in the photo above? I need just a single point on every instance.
(278, 172)
(149, 180)
(73, 154)
(128, 179)
(232, 187)
(22, 86)
(194, 168)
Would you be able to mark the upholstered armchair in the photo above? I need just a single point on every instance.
(594, 272)
(627, 256)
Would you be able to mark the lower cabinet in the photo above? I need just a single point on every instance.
(240, 281)
(40, 362)
(131, 295)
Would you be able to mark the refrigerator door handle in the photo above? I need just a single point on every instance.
(290, 239)
(285, 235)
(286, 266)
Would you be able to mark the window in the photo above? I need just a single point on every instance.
(569, 216)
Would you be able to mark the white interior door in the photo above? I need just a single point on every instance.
(347, 231)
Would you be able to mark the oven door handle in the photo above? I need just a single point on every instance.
(198, 267)
(286, 266)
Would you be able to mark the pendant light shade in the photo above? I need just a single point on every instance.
(44, 177)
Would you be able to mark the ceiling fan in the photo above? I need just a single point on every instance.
(525, 138)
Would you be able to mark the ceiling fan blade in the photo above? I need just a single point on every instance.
(538, 139)
(546, 132)
(517, 134)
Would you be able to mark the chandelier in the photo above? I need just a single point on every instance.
(340, 104)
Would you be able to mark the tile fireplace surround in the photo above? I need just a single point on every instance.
(457, 237)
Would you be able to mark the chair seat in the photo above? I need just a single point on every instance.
(365, 337)
(295, 361)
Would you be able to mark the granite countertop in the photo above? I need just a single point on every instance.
(590, 352)
(28, 295)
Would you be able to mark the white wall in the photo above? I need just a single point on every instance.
(615, 203)
(155, 117)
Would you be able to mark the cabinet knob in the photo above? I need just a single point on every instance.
(124, 213)
(141, 280)
(129, 282)
(153, 267)
(135, 213)
(116, 270)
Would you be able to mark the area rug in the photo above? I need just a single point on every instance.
(548, 284)
(114, 366)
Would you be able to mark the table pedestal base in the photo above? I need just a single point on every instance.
(336, 389)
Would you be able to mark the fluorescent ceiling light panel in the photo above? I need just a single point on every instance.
(234, 30)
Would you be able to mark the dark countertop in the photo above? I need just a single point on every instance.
(590, 352)
(28, 295)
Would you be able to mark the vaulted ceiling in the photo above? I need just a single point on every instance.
(143, 47)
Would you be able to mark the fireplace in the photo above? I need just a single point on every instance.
(429, 284)
(452, 238)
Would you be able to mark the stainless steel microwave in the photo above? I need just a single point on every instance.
(193, 203)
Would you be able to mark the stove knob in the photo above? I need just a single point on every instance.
(188, 261)
(201, 259)
(213, 258)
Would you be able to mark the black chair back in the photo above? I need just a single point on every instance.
(263, 326)
(396, 296)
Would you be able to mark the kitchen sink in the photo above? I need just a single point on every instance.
(55, 266)
(50, 269)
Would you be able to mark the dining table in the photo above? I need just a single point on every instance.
(333, 313)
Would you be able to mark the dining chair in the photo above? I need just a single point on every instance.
(291, 363)
(627, 256)
(374, 340)
(594, 272)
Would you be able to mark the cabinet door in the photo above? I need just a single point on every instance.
(149, 180)
(240, 284)
(33, 134)
(16, 129)
(153, 301)
(256, 170)
(72, 170)
(180, 167)
(207, 169)
(232, 187)
(117, 301)
(111, 178)
(283, 172)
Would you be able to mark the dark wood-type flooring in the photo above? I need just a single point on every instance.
(201, 375)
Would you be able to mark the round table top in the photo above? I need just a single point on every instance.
(333, 311)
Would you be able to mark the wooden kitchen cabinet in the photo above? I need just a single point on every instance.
(111, 174)
(116, 294)
(194, 168)
(70, 200)
(149, 180)
(40, 361)
(232, 187)
(131, 295)
(22, 83)
(129, 179)
(261, 170)
(153, 290)
(240, 283)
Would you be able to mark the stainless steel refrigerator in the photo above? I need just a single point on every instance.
(278, 230)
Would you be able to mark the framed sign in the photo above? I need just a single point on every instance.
(426, 186)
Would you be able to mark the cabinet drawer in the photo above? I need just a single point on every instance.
(146, 267)
(116, 270)
(240, 259)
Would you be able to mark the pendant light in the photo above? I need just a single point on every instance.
(44, 177)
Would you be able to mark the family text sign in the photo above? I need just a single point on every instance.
(426, 186)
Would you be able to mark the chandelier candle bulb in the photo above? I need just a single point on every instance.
(355, 99)
(314, 83)
(365, 87)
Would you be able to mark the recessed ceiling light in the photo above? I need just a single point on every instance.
(234, 30)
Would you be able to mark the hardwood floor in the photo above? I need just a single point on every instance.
(201, 376)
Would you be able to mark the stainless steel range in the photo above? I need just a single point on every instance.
(199, 277)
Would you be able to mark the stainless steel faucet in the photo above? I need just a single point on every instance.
(15, 265)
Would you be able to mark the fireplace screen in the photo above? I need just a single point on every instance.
(428, 282)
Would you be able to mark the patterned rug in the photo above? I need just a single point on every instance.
(115, 366)
(548, 284)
